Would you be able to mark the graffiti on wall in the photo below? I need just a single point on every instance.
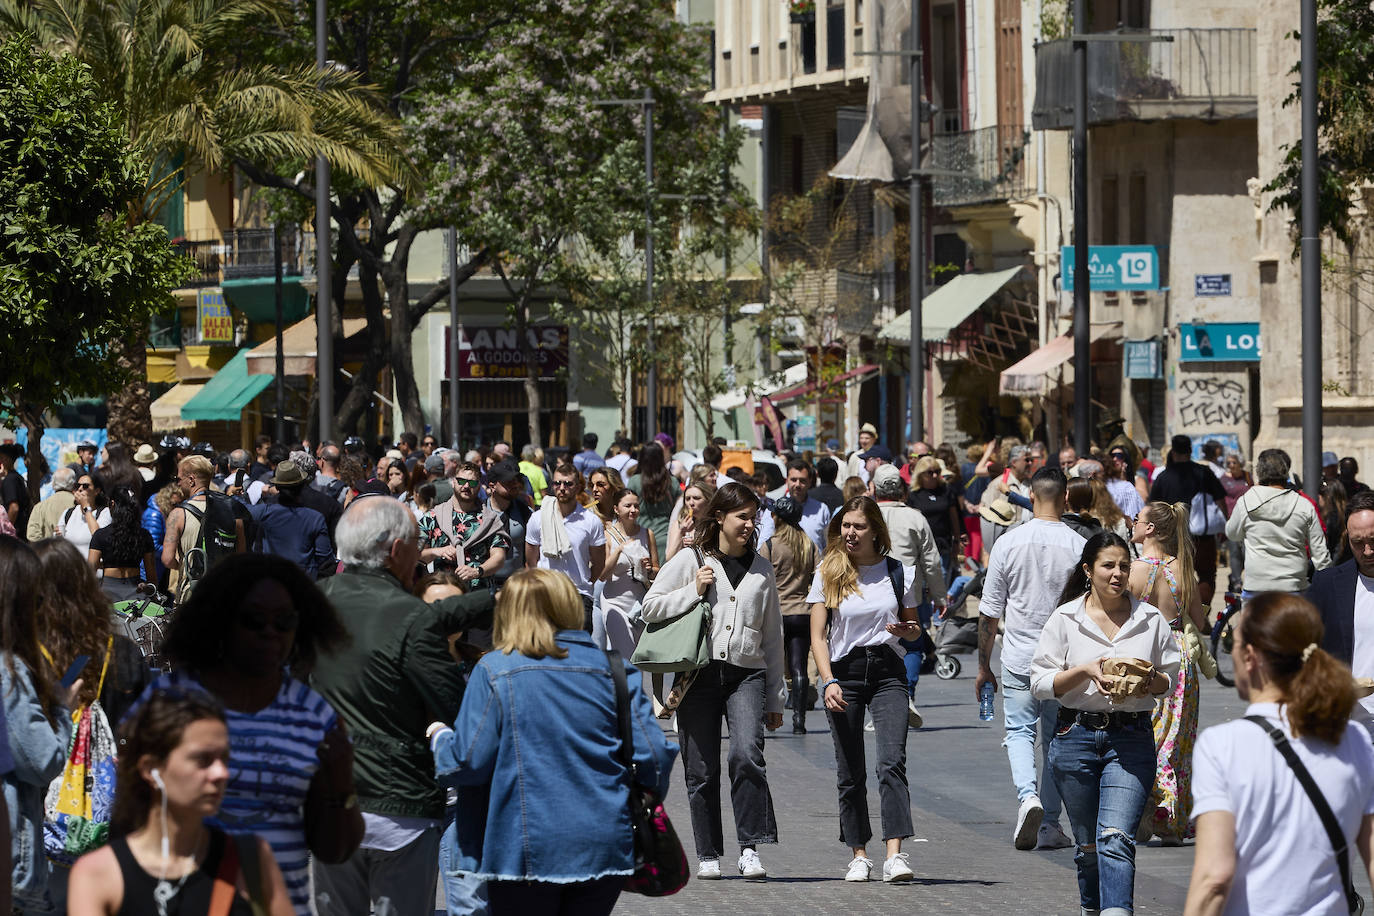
(1212, 402)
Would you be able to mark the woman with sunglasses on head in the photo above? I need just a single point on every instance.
(1103, 751)
(863, 603)
(164, 858)
(248, 636)
(602, 485)
(89, 514)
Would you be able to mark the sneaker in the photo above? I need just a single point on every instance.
(709, 869)
(1052, 836)
(897, 869)
(913, 716)
(750, 866)
(1027, 823)
(860, 869)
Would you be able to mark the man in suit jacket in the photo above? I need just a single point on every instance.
(1345, 596)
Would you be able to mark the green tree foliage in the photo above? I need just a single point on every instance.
(76, 280)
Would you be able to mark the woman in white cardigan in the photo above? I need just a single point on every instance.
(743, 681)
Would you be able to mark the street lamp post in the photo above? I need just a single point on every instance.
(1311, 262)
(917, 253)
(324, 325)
(281, 355)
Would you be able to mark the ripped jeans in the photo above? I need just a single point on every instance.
(1104, 778)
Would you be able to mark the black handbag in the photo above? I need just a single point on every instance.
(660, 862)
(1328, 817)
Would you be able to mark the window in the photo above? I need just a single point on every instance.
(1139, 214)
(1108, 230)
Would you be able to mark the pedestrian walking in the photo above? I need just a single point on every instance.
(794, 557)
(119, 549)
(825, 490)
(1183, 480)
(1332, 502)
(1080, 503)
(939, 503)
(89, 512)
(564, 536)
(14, 489)
(44, 519)
(692, 506)
(1163, 577)
(1120, 482)
(815, 519)
(252, 628)
(658, 493)
(1344, 596)
(539, 727)
(290, 529)
(1102, 755)
(464, 535)
(1026, 573)
(506, 496)
(743, 682)
(172, 777)
(186, 521)
(1262, 843)
(602, 484)
(588, 459)
(631, 564)
(1279, 528)
(862, 603)
(393, 678)
(1235, 482)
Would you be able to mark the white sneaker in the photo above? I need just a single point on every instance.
(1028, 819)
(913, 715)
(709, 869)
(750, 866)
(1052, 836)
(860, 869)
(897, 868)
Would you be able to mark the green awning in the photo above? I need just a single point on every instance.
(225, 395)
(256, 297)
(946, 308)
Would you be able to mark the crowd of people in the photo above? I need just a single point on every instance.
(391, 669)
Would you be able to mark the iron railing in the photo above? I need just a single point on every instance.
(1206, 74)
(240, 253)
(990, 162)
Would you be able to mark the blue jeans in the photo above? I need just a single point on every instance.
(464, 895)
(914, 657)
(1021, 713)
(1105, 777)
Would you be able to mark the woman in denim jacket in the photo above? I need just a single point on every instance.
(538, 727)
(37, 719)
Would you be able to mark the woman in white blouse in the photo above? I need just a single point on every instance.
(1103, 752)
(862, 603)
(743, 681)
(631, 562)
(89, 513)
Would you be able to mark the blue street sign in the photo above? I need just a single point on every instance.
(1143, 359)
(1211, 284)
(1114, 267)
(1219, 342)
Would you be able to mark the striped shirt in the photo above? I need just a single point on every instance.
(273, 755)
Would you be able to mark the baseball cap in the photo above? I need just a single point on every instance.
(87, 443)
(503, 472)
(832, 445)
(884, 473)
(395, 454)
(878, 451)
(434, 464)
(1329, 459)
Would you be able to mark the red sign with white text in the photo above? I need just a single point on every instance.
(494, 354)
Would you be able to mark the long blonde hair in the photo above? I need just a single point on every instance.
(1171, 530)
(1105, 509)
(535, 604)
(839, 575)
(796, 541)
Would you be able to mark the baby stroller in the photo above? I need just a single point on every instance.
(957, 635)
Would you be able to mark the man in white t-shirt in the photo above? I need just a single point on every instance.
(815, 514)
(1027, 570)
(585, 548)
(856, 466)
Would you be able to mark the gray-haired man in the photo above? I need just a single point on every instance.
(45, 516)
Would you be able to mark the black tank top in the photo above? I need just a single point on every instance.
(194, 897)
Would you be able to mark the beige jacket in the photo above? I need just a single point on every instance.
(45, 516)
(913, 544)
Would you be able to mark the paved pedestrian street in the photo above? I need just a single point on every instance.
(964, 807)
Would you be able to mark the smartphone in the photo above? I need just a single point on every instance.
(75, 670)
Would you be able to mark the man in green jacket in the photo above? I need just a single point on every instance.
(393, 680)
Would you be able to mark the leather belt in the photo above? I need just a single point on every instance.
(1098, 720)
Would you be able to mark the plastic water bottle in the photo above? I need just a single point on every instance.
(985, 702)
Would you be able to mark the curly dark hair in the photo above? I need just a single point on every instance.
(20, 599)
(199, 631)
(153, 730)
(76, 613)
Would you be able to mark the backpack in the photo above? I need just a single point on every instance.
(218, 534)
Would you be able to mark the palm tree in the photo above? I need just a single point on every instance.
(173, 69)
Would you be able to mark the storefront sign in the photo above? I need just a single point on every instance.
(805, 440)
(495, 354)
(212, 316)
(1114, 267)
(1143, 359)
(1219, 342)
(1211, 285)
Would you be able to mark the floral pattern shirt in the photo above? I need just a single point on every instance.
(463, 522)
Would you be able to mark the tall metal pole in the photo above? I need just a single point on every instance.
(917, 260)
(1311, 262)
(728, 315)
(455, 331)
(1082, 339)
(651, 382)
(324, 303)
(281, 354)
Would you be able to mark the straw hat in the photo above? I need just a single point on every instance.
(145, 454)
(1000, 512)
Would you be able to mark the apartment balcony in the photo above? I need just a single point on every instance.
(238, 254)
(991, 163)
(1202, 74)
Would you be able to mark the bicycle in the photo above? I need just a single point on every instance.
(145, 621)
(1223, 638)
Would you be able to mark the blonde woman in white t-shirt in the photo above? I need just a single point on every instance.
(1261, 846)
(859, 613)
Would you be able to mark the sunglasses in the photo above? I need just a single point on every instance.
(257, 623)
(465, 481)
(84, 486)
(557, 484)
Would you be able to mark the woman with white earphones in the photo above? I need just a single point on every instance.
(164, 859)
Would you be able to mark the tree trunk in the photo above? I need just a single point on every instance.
(33, 459)
(531, 358)
(360, 389)
(394, 274)
(130, 408)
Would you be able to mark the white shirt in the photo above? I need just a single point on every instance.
(620, 461)
(1126, 497)
(585, 531)
(74, 528)
(1284, 862)
(815, 519)
(1071, 638)
(1362, 645)
(862, 618)
(764, 526)
(1027, 570)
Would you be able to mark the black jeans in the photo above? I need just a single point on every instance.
(722, 689)
(873, 678)
(581, 898)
